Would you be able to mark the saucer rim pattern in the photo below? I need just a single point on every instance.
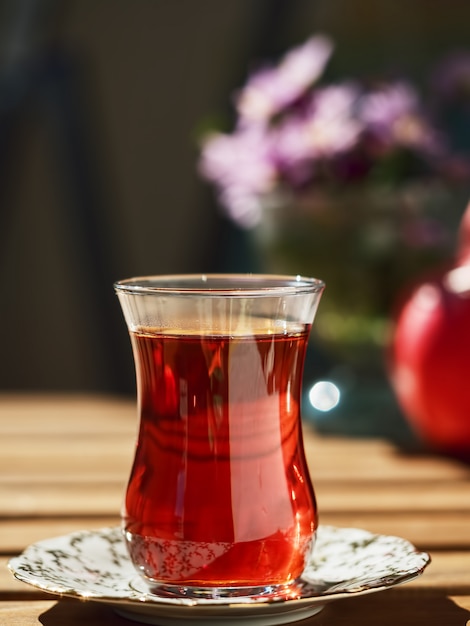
(46, 565)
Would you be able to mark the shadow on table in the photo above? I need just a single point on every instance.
(389, 608)
(75, 612)
(407, 608)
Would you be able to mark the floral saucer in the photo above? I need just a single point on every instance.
(94, 565)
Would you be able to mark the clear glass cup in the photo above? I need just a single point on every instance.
(219, 501)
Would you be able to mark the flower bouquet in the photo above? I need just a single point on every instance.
(351, 180)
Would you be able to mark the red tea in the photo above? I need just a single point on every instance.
(219, 494)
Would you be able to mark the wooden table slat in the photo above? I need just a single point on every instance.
(80, 497)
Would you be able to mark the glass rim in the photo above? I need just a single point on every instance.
(229, 285)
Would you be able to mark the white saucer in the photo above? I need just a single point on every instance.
(94, 565)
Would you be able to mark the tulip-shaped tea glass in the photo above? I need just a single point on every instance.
(219, 501)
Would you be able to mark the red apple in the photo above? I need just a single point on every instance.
(430, 355)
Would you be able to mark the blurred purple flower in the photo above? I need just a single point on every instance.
(268, 91)
(393, 115)
(294, 135)
(327, 127)
(240, 165)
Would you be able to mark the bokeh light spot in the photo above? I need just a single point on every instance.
(324, 395)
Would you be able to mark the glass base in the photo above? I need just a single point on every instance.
(169, 568)
(286, 591)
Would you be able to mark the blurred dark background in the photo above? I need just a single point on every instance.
(100, 104)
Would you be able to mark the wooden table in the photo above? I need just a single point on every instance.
(65, 460)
